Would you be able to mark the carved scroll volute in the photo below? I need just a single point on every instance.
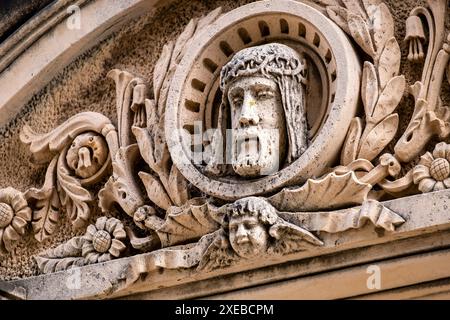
(80, 151)
(123, 187)
(429, 117)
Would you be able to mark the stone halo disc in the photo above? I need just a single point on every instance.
(194, 89)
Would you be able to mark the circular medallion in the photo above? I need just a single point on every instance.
(330, 96)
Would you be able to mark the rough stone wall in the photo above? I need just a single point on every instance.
(83, 86)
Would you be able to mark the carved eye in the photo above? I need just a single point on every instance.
(264, 94)
(237, 101)
(250, 225)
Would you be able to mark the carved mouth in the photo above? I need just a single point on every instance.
(248, 145)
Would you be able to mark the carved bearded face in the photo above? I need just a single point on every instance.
(248, 236)
(263, 89)
(258, 126)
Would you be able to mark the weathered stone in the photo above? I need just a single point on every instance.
(256, 150)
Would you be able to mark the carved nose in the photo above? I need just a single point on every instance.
(84, 158)
(248, 116)
(241, 235)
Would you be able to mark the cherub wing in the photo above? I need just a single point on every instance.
(219, 254)
(292, 238)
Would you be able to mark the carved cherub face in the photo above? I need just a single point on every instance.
(258, 126)
(248, 235)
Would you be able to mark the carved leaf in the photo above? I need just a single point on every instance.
(355, 7)
(161, 68)
(62, 257)
(44, 146)
(340, 16)
(178, 187)
(73, 196)
(187, 34)
(389, 63)
(46, 216)
(360, 33)
(208, 19)
(187, 223)
(351, 144)
(46, 208)
(389, 98)
(331, 192)
(155, 190)
(379, 137)
(161, 151)
(369, 88)
(382, 25)
(144, 141)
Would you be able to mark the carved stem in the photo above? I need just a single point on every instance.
(376, 175)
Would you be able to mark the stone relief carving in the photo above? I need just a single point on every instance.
(283, 184)
(263, 87)
(250, 228)
(102, 242)
(14, 217)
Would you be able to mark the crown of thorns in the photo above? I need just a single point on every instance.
(271, 59)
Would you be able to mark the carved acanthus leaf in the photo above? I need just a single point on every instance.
(332, 191)
(189, 222)
(81, 150)
(44, 146)
(73, 196)
(46, 209)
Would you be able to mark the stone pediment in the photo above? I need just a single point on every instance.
(152, 155)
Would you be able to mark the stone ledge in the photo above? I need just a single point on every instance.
(426, 216)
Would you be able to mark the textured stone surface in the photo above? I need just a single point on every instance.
(14, 13)
(83, 86)
(349, 248)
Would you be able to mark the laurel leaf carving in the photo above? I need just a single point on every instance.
(351, 144)
(360, 33)
(389, 63)
(389, 98)
(369, 88)
(379, 137)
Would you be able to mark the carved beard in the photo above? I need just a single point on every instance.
(255, 151)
